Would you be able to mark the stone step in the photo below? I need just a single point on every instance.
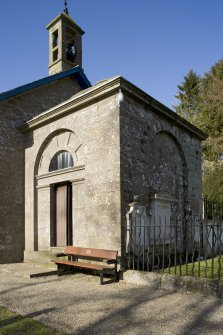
(43, 258)
(57, 250)
(27, 270)
(43, 255)
(40, 263)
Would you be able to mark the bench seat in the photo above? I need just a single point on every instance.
(95, 255)
(84, 265)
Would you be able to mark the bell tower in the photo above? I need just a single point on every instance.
(65, 43)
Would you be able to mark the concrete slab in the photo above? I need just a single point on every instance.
(27, 270)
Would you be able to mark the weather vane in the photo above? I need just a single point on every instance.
(65, 7)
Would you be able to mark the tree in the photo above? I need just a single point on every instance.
(201, 103)
(210, 116)
(213, 182)
(188, 95)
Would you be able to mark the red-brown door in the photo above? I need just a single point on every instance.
(63, 215)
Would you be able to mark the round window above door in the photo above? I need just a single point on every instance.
(61, 160)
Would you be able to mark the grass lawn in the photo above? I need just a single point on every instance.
(15, 324)
(204, 269)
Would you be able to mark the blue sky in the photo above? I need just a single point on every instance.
(152, 43)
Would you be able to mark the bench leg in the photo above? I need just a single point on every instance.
(101, 277)
(58, 270)
(116, 273)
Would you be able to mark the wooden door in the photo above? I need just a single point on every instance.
(63, 215)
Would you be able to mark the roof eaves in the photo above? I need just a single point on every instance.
(76, 72)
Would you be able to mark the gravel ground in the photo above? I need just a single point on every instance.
(77, 304)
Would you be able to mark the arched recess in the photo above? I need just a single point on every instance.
(180, 151)
(58, 141)
(171, 174)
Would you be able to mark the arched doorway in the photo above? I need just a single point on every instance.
(59, 175)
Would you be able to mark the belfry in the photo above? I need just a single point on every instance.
(65, 43)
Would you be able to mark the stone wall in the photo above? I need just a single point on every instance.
(158, 156)
(91, 135)
(13, 113)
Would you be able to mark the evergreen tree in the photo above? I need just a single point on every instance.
(188, 95)
(201, 103)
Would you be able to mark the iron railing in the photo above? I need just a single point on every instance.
(194, 248)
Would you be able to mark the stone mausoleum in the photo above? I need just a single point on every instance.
(73, 155)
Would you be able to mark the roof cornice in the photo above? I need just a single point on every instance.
(105, 89)
(66, 17)
(77, 102)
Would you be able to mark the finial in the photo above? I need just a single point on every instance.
(65, 7)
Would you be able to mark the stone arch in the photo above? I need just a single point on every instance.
(63, 139)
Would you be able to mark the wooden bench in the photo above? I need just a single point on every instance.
(94, 255)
